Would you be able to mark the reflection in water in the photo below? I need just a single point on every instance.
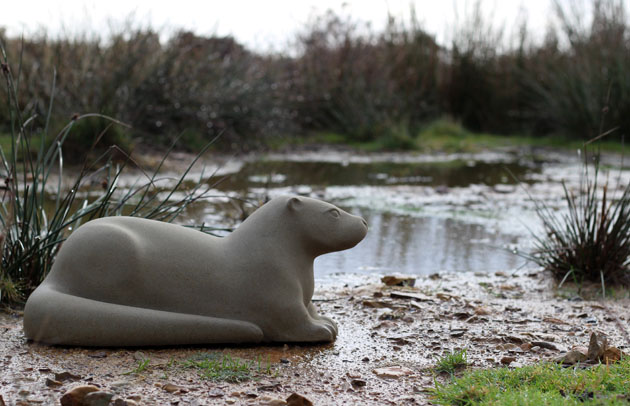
(321, 174)
(420, 246)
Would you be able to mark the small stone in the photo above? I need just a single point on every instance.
(76, 395)
(98, 398)
(358, 383)
(270, 401)
(507, 360)
(392, 372)
(171, 388)
(298, 400)
(2, 401)
(98, 354)
(526, 346)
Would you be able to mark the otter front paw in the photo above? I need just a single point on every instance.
(322, 331)
(330, 324)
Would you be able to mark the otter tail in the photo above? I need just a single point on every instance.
(53, 317)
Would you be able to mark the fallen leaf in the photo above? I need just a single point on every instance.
(612, 354)
(396, 280)
(572, 357)
(377, 304)
(66, 376)
(482, 311)
(554, 320)
(406, 295)
(51, 383)
(545, 344)
(507, 360)
(596, 346)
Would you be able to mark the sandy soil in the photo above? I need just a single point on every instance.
(499, 319)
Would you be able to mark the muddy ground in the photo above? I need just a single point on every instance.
(516, 319)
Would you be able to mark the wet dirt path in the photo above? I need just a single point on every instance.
(498, 319)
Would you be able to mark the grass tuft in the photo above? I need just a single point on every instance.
(590, 241)
(452, 362)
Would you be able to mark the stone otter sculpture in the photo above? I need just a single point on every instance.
(124, 281)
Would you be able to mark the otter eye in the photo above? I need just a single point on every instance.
(335, 213)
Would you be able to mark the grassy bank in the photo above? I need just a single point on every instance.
(444, 135)
(541, 384)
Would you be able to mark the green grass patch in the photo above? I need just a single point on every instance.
(541, 384)
(452, 362)
(216, 366)
(143, 364)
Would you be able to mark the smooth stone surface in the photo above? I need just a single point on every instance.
(124, 281)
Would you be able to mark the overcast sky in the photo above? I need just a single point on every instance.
(261, 24)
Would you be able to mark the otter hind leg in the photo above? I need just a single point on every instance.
(58, 318)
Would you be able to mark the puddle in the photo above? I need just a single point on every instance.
(419, 246)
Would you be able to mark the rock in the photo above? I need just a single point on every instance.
(396, 280)
(98, 354)
(392, 372)
(2, 401)
(572, 357)
(358, 383)
(98, 398)
(526, 346)
(66, 376)
(507, 360)
(51, 383)
(298, 400)
(597, 346)
(76, 395)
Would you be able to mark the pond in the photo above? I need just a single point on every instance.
(425, 216)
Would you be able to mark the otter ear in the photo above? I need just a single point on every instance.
(294, 203)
